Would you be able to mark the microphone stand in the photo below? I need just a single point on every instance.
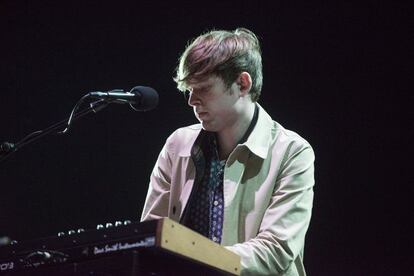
(7, 149)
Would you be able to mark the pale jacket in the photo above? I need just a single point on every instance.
(268, 194)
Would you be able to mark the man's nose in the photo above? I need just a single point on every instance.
(193, 99)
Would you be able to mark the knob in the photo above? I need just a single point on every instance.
(99, 226)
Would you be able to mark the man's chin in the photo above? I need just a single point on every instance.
(208, 127)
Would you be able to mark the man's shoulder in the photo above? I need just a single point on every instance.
(182, 139)
(290, 140)
(187, 132)
(285, 134)
(270, 136)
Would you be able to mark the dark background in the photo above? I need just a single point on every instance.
(335, 73)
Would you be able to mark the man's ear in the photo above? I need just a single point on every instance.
(244, 81)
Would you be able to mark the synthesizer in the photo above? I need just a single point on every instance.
(158, 247)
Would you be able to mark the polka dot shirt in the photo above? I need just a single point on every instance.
(207, 207)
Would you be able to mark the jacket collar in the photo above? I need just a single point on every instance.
(260, 138)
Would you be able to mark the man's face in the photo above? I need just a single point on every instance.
(215, 105)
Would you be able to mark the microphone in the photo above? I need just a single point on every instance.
(141, 98)
(7, 147)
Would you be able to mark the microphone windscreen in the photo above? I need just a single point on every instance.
(148, 95)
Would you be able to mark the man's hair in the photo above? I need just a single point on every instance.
(225, 54)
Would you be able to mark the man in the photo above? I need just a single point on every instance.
(238, 177)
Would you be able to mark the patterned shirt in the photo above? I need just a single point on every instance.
(206, 212)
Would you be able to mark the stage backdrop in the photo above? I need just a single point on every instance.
(331, 73)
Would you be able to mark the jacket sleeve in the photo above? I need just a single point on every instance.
(158, 196)
(278, 247)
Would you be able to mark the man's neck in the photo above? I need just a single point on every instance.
(228, 138)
